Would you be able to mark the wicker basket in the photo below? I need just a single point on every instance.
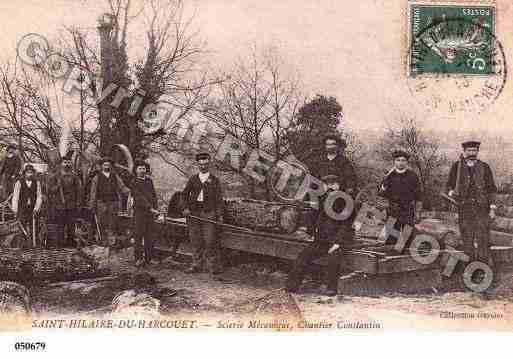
(25, 265)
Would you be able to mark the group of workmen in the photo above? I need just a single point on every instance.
(470, 184)
(66, 200)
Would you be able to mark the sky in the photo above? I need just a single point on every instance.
(355, 51)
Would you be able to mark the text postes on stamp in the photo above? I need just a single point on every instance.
(456, 63)
(451, 39)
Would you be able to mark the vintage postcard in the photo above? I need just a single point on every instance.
(271, 166)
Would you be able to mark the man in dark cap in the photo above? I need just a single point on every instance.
(105, 198)
(203, 198)
(401, 187)
(27, 198)
(65, 193)
(10, 169)
(145, 207)
(330, 235)
(472, 185)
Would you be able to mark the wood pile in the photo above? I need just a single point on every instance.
(262, 216)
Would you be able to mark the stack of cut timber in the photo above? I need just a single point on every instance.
(261, 215)
(45, 264)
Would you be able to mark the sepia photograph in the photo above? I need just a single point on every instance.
(233, 166)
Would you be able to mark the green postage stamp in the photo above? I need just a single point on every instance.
(451, 38)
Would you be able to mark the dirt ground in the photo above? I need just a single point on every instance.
(211, 302)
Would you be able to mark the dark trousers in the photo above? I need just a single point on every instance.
(203, 237)
(66, 219)
(106, 212)
(26, 218)
(404, 214)
(307, 256)
(474, 223)
(143, 223)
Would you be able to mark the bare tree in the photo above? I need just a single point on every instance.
(257, 100)
(169, 74)
(27, 110)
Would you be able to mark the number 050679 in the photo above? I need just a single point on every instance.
(30, 346)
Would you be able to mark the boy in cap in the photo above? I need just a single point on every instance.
(145, 206)
(203, 198)
(105, 197)
(474, 188)
(27, 198)
(10, 169)
(329, 236)
(401, 186)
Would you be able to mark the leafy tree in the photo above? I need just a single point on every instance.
(315, 119)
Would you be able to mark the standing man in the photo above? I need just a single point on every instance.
(203, 198)
(145, 206)
(27, 198)
(10, 169)
(334, 162)
(66, 191)
(401, 186)
(330, 235)
(472, 185)
(105, 198)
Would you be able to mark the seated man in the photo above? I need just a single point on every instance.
(329, 235)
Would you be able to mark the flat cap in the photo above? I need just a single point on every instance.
(202, 156)
(468, 144)
(400, 153)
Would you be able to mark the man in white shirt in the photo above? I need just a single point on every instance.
(203, 199)
(27, 198)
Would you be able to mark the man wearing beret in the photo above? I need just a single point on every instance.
(401, 187)
(475, 194)
(105, 197)
(203, 198)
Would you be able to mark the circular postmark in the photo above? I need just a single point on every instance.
(456, 65)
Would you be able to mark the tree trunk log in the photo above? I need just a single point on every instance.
(262, 215)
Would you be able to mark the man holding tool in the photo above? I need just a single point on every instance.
(26, 201)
